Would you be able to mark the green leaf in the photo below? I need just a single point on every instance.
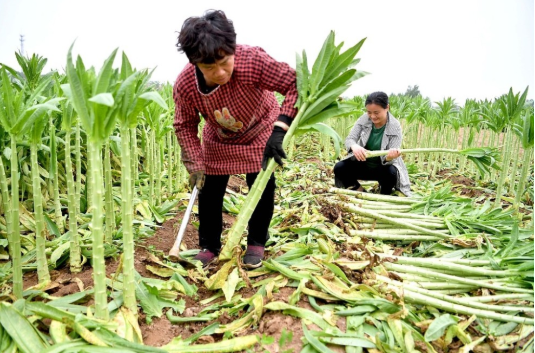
(343, 61)
(333, 110)
(58, 252)
(320, 65)
(322, 102)
(77, 93)
(103, 81)
(151, 302)
(155, 97)
(320, 347)
(527, 131)
(439, 326)
(22, 332)
(105, 99)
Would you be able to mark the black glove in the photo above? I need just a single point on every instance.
(196, 179)
(274, 147)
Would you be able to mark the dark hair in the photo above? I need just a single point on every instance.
(208, 38)
(379, 98)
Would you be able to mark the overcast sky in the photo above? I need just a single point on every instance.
(449, 48)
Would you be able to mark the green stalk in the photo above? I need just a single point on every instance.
(98, 262)
(170, 166)
(395, 237)
(450, 266)
(178, 167)
(395, 231)
(15, 236)
(108, 197)
(375, 197)
(506, 156)
(158, 158)
(134, 158)
(447, 298)
(498, 297)
(437, 275)
(75, 253)
(424, 261)
(151, 161)
(462, 161)
(392, 221)
(78, 161)
(129, 286)
(42, 263)
(58, 215)
(515, 161)
(5, 199)
(521, 188)
(418, 298)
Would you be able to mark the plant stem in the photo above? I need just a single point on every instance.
(374, 197)
(58, 216)
(75, 254)
(42, 263)
(108, 196)
(447, 298)
(5, 200)
(15, 236)
(521, 187)
(437, 275)
(129, 287)
(78, 161)
(351, 208)
(98, 262)
(506, 157)
(412, 296)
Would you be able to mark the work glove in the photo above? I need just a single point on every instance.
(274, 147)
(196, 179)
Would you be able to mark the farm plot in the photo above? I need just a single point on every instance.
(93, 192)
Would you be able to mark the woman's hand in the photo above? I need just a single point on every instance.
(359, 152)
(393, 153)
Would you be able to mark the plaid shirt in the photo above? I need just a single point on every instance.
(239, 114)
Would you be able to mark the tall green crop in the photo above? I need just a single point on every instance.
(132, 98)
(93, 101)
(19, 109)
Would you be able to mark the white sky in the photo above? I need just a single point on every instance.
(449, 48)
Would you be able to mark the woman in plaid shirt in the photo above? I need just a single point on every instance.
(231, 86)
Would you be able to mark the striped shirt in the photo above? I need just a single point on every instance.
(239, 115)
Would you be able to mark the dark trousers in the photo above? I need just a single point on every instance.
(348, 172)
(211, 216)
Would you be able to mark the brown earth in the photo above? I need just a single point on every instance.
(467, 186)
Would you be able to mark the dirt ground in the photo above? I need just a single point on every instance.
(160, 331)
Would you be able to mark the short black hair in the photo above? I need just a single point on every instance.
(208, 38)
(379, 98)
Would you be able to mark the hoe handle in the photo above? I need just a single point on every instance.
(174, 253)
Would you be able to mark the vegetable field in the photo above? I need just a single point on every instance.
(93, 191)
